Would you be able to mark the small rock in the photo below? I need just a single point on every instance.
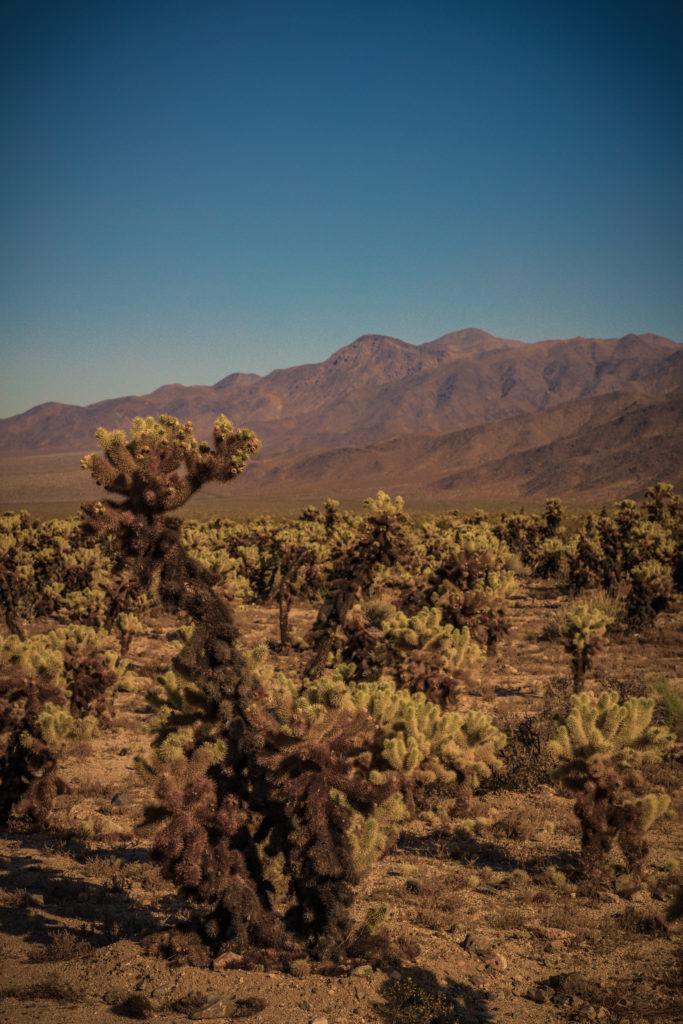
(640, 896)
(395, 975)
(249, 1006)
(215, 1008)
(121, 800)
(319, 1020)
(537, 995)
(475, 944)
(496, 962)
(35, 899)
(363, 971)
(162, 990)
(228, 959)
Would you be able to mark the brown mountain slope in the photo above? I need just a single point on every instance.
(377, 387)
(273, 405)
(594, 449)
(589, 450)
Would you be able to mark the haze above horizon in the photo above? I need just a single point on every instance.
(193, 190)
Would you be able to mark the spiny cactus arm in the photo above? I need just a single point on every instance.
(649, 808)
(635, 721)
(473, 745)
(561, 746)
(57, 728)
(580, 726)
(403, 754)
(610, 717)
(144, 468)
(370, 837)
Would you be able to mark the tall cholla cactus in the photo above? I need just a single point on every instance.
(144, 468)
(428, 655)
(584, 632)
(601, 747)
(239, 787)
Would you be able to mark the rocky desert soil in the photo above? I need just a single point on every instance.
(498, 926)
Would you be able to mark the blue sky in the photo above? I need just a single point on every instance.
(190, 189)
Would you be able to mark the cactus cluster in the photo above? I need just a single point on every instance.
(237, 787)
(274, 794)
(55, 688)
(601, 749)
(425, 654)
(584, 634)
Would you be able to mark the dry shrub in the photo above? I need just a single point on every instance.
(136, 1006)
(437, 899)
(508, 919)
(636, 922)
(64, 945)
(526, 762)
(518, 824)
(409, 1002)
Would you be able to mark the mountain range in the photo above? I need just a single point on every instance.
(468, 417)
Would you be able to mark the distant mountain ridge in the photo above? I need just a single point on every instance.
(467, 409)
(378, 386)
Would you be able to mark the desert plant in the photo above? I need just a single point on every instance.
(382, 539)
(55, 686)
(247, 789)
(430, 750)
(601, 747)
(583, 632)
(650, 593)
(553, 514)
(469, 579)
(427, 655)
(672, 701)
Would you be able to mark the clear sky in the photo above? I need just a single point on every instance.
(189, 189)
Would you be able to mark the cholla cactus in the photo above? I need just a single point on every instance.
(601, 747)
(584, 632)
(144, 467)
(552, 557)
(415, 739)
(553, 514)
(52, 685)
(651, 592)
(59, 730)
(252, 791)
(429, 656)
(381, 540)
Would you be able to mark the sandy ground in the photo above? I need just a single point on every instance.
(501, 935)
